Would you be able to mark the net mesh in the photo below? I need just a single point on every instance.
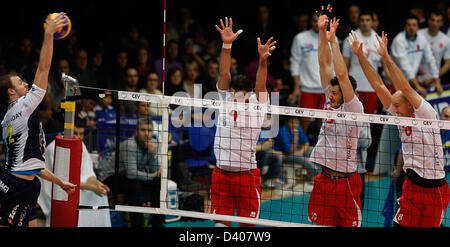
(170, 176)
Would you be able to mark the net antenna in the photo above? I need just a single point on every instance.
(72, 90)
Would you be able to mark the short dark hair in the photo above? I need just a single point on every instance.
(241, 82)
(144, 121)
(335, 82)
(366, 12)
(411, 16)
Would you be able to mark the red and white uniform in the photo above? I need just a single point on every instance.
(336, 202)
(236, 185)
(236, 135)
(421, 205)
(440, 46)
(422, 147)
(338, 139)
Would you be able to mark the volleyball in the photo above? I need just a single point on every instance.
(64, 31)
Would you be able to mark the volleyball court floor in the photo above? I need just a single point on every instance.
(294, 208)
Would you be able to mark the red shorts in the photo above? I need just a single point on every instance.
(336, 202)
(238, 192)
(369, 101)
(312, 100)
(421, 207)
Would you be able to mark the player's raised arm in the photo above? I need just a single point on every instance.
(323, 49)
(228, 36)
(397, 76)
(371, 74)
(261, 73)
(45, 60)
(339, 64)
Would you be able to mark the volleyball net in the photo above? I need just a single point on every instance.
(161, 169)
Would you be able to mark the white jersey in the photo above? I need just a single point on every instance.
(440, 47)
(408, 54)
(236, 135)
(338, 139)
(370, 53)
(305, 62)
(23, 134)
(422, 147)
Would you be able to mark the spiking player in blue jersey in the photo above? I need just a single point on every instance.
(24, 139)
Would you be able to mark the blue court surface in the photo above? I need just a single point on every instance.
(295, 208)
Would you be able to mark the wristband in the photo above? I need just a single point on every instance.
(226, 46)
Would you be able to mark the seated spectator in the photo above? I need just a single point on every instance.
(132, 78)
(174, 82)
(85, 76)
(267, 156)
(138, 155)
(119, 70)
(191, 78)
(209, 78)
(172, 61)
(151, 87)
(144, 66)
(294, 145)
(104, 111)
(92, 191)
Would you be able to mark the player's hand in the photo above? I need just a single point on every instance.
(54, 24)
(355, 44)
(226, 32)
(331, 35)
(69, 188)
(322, 22)
(383, 43)
(438, 85)
(264, 50)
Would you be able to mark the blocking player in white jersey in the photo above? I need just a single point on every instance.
(24, 138)
(425, 192)
(440, 47)
(334, 200)
(236, 180)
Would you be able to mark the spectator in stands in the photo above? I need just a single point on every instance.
(92, 191)
(101, 70)
(174, 82)
(56, 86)
(191, 79)
(139, 155)
(350, 23)
(209, 78)
(144, 66)
(408, 49)
(375, 21)
(152, 88)
(104, 110)
(418, 11)
(440, 47)
(172, 61)
(294, 145)
(367, 35)
(82, 72)
(188, 53)
(307, 89)
(267, 156)
(131, 83)
(119, 70)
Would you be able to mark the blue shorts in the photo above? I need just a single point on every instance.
(18, 200)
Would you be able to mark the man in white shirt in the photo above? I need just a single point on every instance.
(92, 191)
(305, 71)
(425, 194)
(367, 35)
(237, 134)
(408, 49)
(440, 46)
(334, 200)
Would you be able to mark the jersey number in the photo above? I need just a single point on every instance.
(10, 131)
